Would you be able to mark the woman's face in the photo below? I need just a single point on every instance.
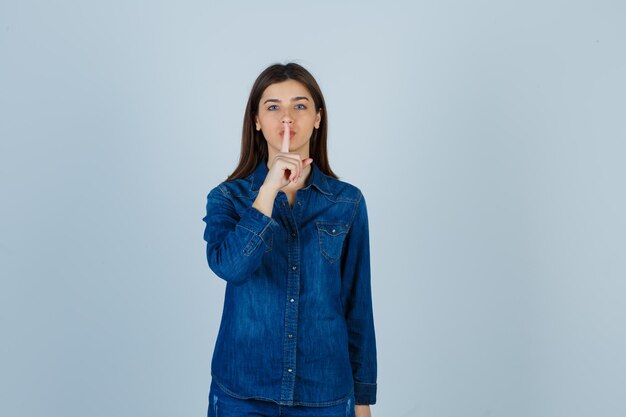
(287, 102)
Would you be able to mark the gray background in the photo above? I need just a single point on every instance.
(485, 135)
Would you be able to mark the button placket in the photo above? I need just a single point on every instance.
(292, 295)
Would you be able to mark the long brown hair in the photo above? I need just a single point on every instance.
(253, 144)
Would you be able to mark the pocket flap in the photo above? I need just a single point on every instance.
(332, 229)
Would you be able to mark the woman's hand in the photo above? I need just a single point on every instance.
(286, 167)
(362, 411)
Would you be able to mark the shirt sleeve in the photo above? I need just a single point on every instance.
(357, 302)
(235, 241)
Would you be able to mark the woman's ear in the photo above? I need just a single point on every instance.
(256, 122)
(318, 118)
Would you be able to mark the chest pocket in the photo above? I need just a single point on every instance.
(331, 237)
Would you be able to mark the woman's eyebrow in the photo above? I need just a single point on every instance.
(275, 100)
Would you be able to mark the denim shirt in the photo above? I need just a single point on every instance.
(297, 325)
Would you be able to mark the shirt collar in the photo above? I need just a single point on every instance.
(316, 178)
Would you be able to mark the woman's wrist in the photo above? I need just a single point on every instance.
(264, 201)
(266, 188)
(362, 410)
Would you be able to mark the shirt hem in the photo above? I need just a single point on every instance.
(281, 402)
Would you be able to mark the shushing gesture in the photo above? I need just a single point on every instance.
(287, 166)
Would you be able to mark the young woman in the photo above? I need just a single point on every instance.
(292, 242)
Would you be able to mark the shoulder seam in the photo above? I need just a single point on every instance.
(356, 207)
(223, 189)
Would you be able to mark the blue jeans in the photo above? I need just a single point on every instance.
(224, 405)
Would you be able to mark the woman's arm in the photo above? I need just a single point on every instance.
(358, 310)
(235, 243)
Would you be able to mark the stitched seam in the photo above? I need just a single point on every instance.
(247, 228)
(224, 190)
(356, 206)
(340, 199)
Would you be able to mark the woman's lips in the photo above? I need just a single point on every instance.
(291, 133)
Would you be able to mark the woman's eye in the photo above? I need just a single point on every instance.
(301, 106)
(272, 107)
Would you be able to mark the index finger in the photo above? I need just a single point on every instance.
(285, 146)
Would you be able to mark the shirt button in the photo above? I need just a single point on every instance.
(333, 230)
(289, 370)
(292, 300)
(290, 336)
(293, 235)
(294, 267)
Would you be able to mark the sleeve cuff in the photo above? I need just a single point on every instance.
(364, 393)
(259, 224)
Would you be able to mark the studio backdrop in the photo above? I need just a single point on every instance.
(486, 136)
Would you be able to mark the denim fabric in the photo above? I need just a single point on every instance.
(223, 405)
(297, 326)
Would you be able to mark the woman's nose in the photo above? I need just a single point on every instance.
(287, 117)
